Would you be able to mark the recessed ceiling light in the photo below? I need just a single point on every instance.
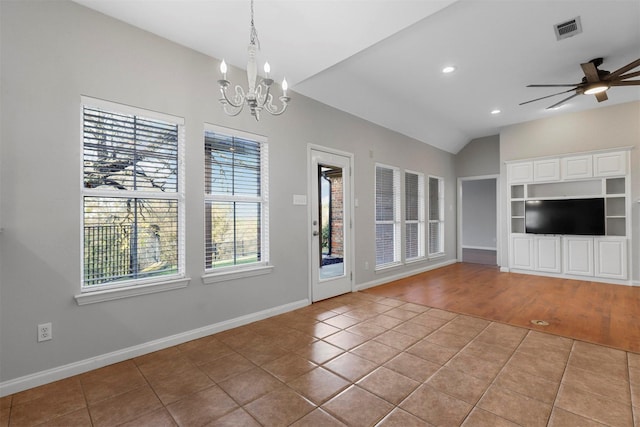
(496, 111)
(448, 69)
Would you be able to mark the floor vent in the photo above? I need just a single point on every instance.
(568, 29)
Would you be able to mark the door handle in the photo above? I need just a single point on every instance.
(315, 232)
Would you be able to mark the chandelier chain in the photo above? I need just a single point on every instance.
(253, 35)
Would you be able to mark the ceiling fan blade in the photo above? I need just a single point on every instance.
(602, 96)
(559, 85)
(545, 97)
(623, 70)
(626, 83)
(591, 72)
(628, 76)
(562, 102)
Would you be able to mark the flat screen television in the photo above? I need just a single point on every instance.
(565, 216)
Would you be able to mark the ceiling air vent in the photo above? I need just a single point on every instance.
(568, 29)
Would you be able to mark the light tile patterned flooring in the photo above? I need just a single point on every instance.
(357, 360)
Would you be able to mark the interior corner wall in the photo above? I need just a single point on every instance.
(602, 128)
(67, 51)
(481, 156)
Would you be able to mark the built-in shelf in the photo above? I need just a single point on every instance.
(603, 175)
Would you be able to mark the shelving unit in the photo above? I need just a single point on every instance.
(586, 175)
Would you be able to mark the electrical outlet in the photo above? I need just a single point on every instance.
(44, 332)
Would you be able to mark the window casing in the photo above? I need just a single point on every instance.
(436, 216)
(414, 215)
(387, 216)
(236, 200)
(132, 196)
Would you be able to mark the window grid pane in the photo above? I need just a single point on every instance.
(414, 215)
(129, 237)
(436, 216)
(387, 215)
(234, 227)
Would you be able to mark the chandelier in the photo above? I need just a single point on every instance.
(259, 96)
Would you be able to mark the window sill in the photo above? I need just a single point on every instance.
(389, 266)
(438, 255)
(210, 278)
(132, 291)
(414, 260)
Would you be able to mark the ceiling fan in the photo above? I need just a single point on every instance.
(595, 82)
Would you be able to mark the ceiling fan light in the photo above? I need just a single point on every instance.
(448, 69)
(596, 88)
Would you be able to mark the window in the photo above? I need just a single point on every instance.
(132, 196)
(387, 216)
(236, 208)
(414, 215)
(436, 216)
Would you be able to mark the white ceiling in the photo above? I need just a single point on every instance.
(381, 60)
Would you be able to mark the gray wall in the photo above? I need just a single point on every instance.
(54, 52)
(481, 156)
(479, 213)
(605, 127)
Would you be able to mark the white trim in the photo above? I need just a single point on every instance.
(92, 297)
(402, 275)
(460, 219)
(44, 377)
(223, 276)
(129, 109)
(574, 277)
(235, 132)
(350, 220)
(505, 270)
(577, 153)
(482, 248)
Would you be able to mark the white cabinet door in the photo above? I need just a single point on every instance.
(578, 255)
(611, 257)
(577, 167)
(522, 252)
(547, 254)
(546, 170)
(610, 164)
(521, 172)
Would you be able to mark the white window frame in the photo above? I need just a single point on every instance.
(396, 221)
(440, 220)
(139, 286)
(419, 221)
(220, 274)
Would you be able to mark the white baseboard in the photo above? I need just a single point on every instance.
(504, 269)
(574, 277)
(44, 377)
(482, 248)
(402, 275)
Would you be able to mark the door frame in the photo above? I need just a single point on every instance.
(351, 230)
(498, 214)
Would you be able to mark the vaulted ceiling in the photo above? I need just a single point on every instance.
(381, 60)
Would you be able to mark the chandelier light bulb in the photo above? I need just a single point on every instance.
(267, 69)
(223, 69)
(285, 86)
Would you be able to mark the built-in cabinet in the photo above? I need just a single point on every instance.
(584, 175)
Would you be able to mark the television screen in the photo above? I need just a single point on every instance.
(565, 216)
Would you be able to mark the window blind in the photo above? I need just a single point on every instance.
(414, 215)
(235, 204)
(387, 215)
(131, 198)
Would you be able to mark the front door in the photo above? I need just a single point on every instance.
(330, 224)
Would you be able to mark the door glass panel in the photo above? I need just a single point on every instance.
(331, 195)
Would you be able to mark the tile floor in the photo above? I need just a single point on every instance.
(356, 360)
